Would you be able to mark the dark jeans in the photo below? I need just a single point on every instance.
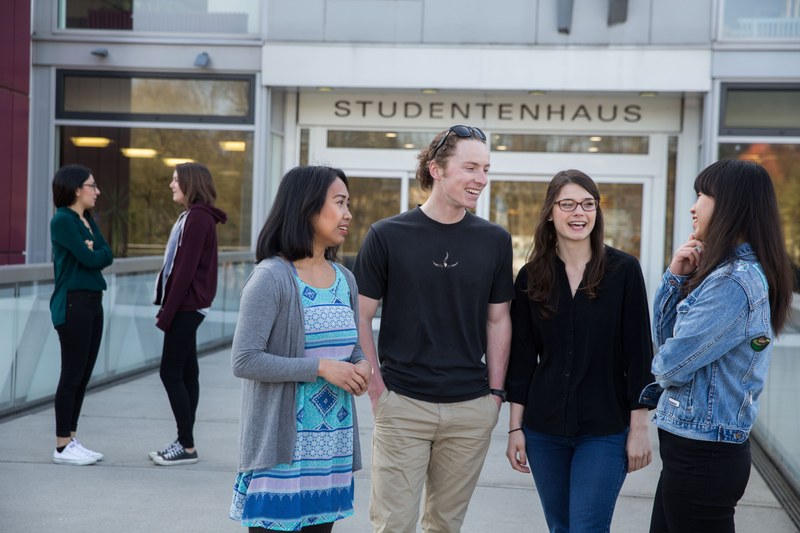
(578, 478)
(700, 484)
(180, 372)
(318, 528)
(80, 339)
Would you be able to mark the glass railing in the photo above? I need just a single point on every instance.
(29, 349)
(765, 20)
(228, 17)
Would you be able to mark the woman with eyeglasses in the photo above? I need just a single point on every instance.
(76, 306)
(184, 290)
(580, 357)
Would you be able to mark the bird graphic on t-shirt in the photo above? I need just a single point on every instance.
(444, 263)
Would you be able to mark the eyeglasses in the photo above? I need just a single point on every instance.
(572, 205)
(92, 185)
(461, 131)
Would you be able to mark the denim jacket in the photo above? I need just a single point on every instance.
(714, 350)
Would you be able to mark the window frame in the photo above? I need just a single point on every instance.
(61, 113)
(762, 132)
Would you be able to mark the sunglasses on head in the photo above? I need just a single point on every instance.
(461, 131)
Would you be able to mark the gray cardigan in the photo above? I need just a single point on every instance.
(267, 353)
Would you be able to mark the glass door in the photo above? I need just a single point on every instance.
(631, 172)
(373, 196)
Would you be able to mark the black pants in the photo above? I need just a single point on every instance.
(318, 528)
(700, 485)
(80, 338)
(180, 372)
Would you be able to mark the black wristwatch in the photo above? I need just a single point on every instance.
(498, 392)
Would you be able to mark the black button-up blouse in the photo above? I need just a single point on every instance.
(581, 371)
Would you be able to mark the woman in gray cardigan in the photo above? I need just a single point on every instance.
(296, 349)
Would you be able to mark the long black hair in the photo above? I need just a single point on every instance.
(745, 210)
(289, 231)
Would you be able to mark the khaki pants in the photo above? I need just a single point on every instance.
(440, 445)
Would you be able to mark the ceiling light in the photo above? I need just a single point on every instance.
(595, 138)
(90, 142)
(594, 149)
(146, 153)
(501, 147)
(429, 91)
(408, 145)
(391, 135)
(537, 93)
(233, 146)
(175, 161)
(648, 94)
(325, 89)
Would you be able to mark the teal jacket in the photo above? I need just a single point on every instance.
(75, 266)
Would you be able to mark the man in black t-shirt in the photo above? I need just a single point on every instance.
(445, 278)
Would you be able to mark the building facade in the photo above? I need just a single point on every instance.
(640, 95)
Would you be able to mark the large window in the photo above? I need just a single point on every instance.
(134, 158)
(157, 97)
(782, 161)
(173, 16)
(760, 109)
(133, 168)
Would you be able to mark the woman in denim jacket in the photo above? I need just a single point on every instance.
(724, 297)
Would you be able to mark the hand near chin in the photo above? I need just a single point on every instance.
(687, 258)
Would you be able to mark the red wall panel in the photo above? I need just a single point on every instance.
(15, 66)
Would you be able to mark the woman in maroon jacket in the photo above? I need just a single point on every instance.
(185, 289)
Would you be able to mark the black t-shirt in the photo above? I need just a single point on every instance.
(581, 371)
(436, 282)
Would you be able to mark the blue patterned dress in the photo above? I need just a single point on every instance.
(317, 486)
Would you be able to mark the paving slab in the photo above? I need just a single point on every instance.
(126, 492)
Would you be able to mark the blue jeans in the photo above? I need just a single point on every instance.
(578, 478)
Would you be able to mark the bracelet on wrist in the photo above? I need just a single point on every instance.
(515, 429)
(371, 369)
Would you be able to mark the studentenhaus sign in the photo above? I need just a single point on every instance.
(568, 113)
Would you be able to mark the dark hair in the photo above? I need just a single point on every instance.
(66, 180)
(745, 210)
(444, 153)
(289, 231)
(196, 183)
(541, 265)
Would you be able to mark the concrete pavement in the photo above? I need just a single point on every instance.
(126, 492)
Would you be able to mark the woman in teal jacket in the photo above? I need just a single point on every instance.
(76, 306)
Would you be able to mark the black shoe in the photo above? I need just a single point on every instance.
(176, 456)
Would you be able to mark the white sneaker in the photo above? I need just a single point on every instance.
(91, 453)
(72, 455)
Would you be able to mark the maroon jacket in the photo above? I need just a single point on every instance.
(192, 284)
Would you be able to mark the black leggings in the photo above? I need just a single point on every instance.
(80, 337)
(700, 485)
(180, 372)
(327, 527)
